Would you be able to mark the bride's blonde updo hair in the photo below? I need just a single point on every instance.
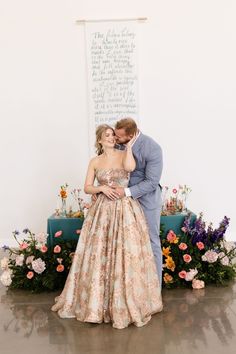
(99, 131)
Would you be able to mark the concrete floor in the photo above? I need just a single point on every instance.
(193, 321)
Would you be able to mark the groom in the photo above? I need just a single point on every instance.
(144, 180)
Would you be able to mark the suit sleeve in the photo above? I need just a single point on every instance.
(153, 172)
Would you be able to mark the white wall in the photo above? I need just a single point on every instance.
(187, 101)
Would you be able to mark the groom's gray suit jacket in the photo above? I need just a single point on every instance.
(144, 181)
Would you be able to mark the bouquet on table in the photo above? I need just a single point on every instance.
(174, 201)
(81, 206)
(200, 256)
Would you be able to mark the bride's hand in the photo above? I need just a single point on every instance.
(109, 192)
(131, 142)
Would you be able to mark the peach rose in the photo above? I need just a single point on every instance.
(167, 278)
(182, 274)
(44, 249)
(78, 231)
(171, 237)
(187, 258)
(57, 249)
(200, 245)
(23, 245)
(60, 268)
(198, 284)
(183, 246)
(30, 275)
(58, 234)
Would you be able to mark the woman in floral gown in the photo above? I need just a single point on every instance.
(113, 275)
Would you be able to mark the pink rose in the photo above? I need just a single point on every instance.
(184, 229)
(57, 249)
(58, 234)
(78, 231)
(171, 236)
(182, 274)
(44, 249)
(187, 258)
(200, 245)
(30, 275)
(174, 191)
(183, 246)
(23, 245)
(198, 284)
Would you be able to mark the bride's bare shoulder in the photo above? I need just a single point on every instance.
(94, 162)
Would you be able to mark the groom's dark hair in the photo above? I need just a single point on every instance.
(128, 124)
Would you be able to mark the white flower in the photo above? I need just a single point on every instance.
(19, 260)
(38, 265)
(224, 260)
(41, 238)
(29, 259)
(191, 274)
(210, 256)
(4, 263)
(6, 277)
(229, 246)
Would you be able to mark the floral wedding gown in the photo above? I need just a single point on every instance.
(113, 276)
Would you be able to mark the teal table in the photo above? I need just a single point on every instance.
(68, 226)
(175, 222)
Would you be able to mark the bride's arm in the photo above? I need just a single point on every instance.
(89, 187)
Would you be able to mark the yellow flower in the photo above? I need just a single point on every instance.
(170, 264)
(166, 251)
(168, 278)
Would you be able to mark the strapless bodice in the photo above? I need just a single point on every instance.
(113, 176)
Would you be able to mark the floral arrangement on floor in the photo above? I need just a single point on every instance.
(34, 266)
(174, 200)
(199, 256)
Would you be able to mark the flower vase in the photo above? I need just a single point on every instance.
(63, 207)
(184, 201)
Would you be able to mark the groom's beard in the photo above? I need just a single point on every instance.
(123, 143)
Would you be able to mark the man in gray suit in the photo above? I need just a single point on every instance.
(144, 183)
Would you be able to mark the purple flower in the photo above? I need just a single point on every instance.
(5, 248)
(218, 234)
(26, 230)
(16, 232)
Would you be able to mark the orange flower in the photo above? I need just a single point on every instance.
(166, 251)
(167, 278)
(63, 194)
(170, 264)
(60, 268)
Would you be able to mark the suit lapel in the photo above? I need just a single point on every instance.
(137, 145)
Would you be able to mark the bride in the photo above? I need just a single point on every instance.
(113, 275)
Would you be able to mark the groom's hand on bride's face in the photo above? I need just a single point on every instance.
(120, 191)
